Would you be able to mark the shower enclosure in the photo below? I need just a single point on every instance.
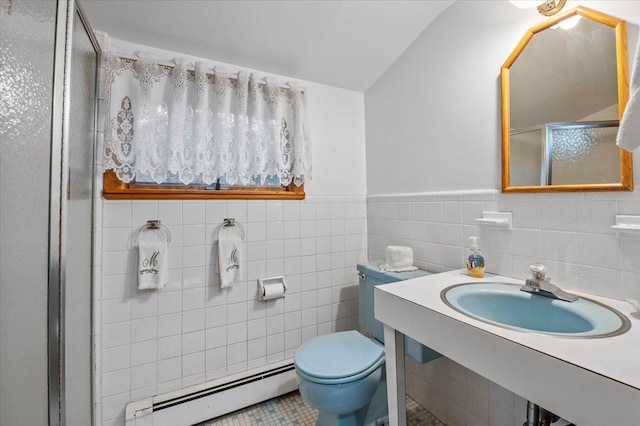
(49, 61)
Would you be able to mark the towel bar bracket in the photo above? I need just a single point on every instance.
(229, 221)
(151, 225)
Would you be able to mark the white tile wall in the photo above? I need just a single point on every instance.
(149, 343)
(192, 331)
(570, 233)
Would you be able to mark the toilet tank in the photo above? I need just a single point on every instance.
(370, 276)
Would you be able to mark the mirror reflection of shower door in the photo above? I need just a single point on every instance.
(529, 151)
(565, 154)
(583, 152)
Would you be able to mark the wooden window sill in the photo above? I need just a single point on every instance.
(114, 189)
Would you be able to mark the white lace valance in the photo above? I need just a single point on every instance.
(176, 123)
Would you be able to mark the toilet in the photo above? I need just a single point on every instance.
(342, 374)
(338, 374)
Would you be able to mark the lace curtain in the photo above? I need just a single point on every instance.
(184, 124)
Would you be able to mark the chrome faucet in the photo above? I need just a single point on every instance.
(540, 284)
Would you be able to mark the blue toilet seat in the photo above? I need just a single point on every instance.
(338, 358)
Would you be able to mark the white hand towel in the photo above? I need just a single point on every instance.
(229, 256)
(153, 270)
(399, 259)
(385, 268)
(629, 131)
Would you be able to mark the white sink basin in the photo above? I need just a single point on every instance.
(505, 305)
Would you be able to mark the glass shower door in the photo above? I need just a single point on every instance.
(78, 231)
(27, 34)
(48, 63)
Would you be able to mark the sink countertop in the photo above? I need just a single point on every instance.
(616, 358)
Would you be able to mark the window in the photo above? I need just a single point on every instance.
(173, 132)
(115, 189)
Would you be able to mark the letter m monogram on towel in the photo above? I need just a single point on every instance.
(232, 261)
(150, 264)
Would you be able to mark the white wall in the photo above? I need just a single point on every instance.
(435, 113)
(150, 343)
(433, 165)
(336, 119)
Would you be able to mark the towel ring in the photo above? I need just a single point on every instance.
(151, 225)
(228, 221)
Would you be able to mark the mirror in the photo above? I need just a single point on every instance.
(563, 90)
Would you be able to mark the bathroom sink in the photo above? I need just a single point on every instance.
(506, 306)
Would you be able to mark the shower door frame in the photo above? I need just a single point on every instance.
(59, 175)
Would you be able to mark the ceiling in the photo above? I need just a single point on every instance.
(346, 44)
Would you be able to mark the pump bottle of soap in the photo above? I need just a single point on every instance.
(475, 261)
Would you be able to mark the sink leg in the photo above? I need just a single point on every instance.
(547, 417)
(533, 415)
(538, 416)
(394, 353)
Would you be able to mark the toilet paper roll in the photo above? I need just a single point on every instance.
(273, 291)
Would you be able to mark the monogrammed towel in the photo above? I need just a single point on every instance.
(153, 270)
(229, 256)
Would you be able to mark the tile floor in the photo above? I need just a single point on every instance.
(291, 409)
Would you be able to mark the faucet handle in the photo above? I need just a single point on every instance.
(539, 271)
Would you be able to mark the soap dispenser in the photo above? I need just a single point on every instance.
(475, 261)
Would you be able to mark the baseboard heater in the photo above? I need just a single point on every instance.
(203, 402)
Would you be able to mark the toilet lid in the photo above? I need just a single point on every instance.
(338, 356)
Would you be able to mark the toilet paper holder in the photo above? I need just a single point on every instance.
(271, 288)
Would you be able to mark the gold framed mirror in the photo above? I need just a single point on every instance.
(564, 88)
